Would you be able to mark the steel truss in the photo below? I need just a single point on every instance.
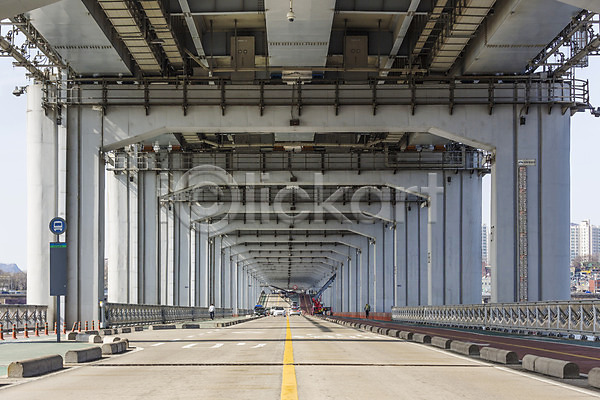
(447, 91)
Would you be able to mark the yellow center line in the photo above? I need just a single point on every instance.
(289, 388)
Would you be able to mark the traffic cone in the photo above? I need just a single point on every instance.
(46, 328)
(65, 328)
(26, 331)
(86, 326)
(1, 332)
(55, 325)
(93, 325)
(14, 332)
(36, 332)
(79, 326)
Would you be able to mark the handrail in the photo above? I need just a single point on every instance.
(20, 314)
(554, 317)
(119, 314)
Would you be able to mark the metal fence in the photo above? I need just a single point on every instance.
(559, 317)
(19, 315)
(118, 314)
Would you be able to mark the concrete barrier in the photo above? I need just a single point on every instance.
(406, 335)
(468, 349)
(163, 326)
(190, 326)
(115, 347)
(551, 367)
(71, 335)
(528, 362)
(125, 330)
(109, 331)
(138, 328)
(83, 355)
(91, 332)
(421, 338)
(441, 342)
(393, 332)
(88, 338)
(594, 377)
(110, 339)
(499, 355)
(35, 366)
(384, 331)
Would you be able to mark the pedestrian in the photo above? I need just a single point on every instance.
(367, 310)
(211, 311)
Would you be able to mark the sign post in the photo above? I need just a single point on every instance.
(58, 267)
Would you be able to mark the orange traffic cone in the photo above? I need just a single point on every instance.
(36, 332)
(1, 332)
(26, 331)
(86, 326)
(65, 328)
(46, 328)
(79, 326)
(93, 325)
(14, 332)
(74, 327)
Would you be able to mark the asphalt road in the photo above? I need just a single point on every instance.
(246, 361)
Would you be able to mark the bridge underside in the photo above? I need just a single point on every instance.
(212, 205)
(204, 152)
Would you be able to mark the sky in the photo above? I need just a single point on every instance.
(585, 162)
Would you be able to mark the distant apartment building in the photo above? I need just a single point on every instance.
(484, 245)
(585, 240)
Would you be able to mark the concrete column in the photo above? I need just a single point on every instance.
(163, 240)
(85, 213)
(388, 267)
(435, 252)
(182, 247)
(203, 254)
(134, 233)
(118, 238)
(42, 193)
(554, 204)
(148, 246)
(471, 239)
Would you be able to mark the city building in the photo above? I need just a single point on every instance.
(484, 245)
(585, 240)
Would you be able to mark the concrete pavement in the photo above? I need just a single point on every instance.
(246, 362)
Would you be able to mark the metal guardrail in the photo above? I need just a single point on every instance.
(560, 317)
(19, 315)
(118, 314)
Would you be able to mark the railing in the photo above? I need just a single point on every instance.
(413, 91)
(19, 315)
(117, 314)
(560, 317)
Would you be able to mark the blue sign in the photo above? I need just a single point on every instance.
(58, 226)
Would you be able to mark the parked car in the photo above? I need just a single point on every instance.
(275, 311)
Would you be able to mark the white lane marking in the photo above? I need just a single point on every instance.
(216, 346)
(259, 345)
(191, 336)
(241, 344)
(505, 369)
(158, 344)
(175, 340)
(188, 346)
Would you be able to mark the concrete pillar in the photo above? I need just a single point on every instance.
(182, 247)
(118, 238)
(148, 240)
(388, 267)
(85, 211)
(42, 194)
(163, 241)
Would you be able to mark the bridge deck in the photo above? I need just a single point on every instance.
(583, 353)
(330, 361)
